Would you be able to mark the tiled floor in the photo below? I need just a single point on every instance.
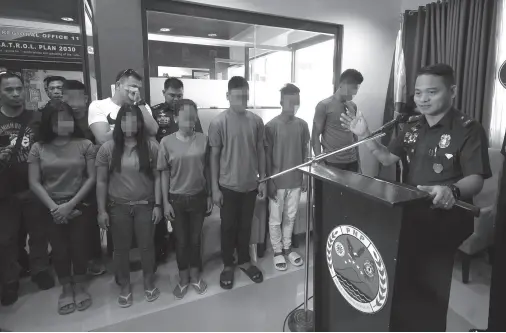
(248, 307)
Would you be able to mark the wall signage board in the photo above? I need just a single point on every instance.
(23, 44)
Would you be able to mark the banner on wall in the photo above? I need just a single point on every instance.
(23, 44)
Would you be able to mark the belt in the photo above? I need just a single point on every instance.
(133, 203)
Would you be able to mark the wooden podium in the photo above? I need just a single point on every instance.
(372, 243)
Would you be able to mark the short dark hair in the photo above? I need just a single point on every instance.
(46, 133)
(8, 75)
(174, 83)
(74, 85)
(289, 89)
(351, 76)
(128, 73)
(237, 82)
(442, 70)
(184, 102)
(54, 78)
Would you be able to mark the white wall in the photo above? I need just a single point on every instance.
(370, 29)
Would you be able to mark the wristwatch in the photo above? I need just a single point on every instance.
(455, 191)
(158, 206)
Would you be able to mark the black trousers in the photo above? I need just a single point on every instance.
(236, 217)
(9, 238)
(190, 212)
(353, 166)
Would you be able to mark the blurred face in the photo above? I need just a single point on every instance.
(432, 96)
(238, 98)
(63, 124)
(173, 96)
(129, 125)
(55, 90)
(290, 104)
(348, 90)
(12, 92)
(187, 118)
(77, 99)
(129, 89)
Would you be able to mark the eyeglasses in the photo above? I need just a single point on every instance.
(126, 73)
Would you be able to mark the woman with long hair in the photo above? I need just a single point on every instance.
(61, 174)
(129, 198)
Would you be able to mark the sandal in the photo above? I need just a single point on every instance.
(152, 295)
(200, 287)
(82, 300)
(66, 304)
(180, 291)
(280, 262)
(253, 273)
(125, 301)
(227, 278)
(295, 258)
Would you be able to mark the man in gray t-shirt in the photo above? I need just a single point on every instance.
(287, 141)
(327, 129)
(236, 138)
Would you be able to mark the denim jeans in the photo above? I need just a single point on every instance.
(236, 218)
(283, 212)
(127, 219)
(353, 166)
(190, 211)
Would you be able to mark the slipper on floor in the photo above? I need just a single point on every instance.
(295, 259)
(254, 274)
(66, 304)
(125, 301)
(200, 287)
(82, 300)
(227, 278)
(180, 291)
(152, 295)
(280, 262)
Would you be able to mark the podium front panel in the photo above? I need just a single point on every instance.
(356, 246)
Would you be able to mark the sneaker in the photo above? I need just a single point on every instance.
(10, 293)
(44, 280)
(95, 268)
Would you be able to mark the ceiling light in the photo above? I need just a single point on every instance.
(165, 29)
(67, 19)
(212, 35)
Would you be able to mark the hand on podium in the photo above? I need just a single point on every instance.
(443, 196)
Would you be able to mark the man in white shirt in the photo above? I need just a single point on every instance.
(102, 113)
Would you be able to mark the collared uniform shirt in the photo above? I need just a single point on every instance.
(165, 117)
(454, 148)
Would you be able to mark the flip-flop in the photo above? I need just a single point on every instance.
(227, 278)
(280, 262)
(254, 274)
(125, 301)
(180, 291)
(295, 258)
(200, 287)
(152, 295)
(82, 300)
(66, 304)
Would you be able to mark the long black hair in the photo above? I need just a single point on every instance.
(119, 140)
(46, 133)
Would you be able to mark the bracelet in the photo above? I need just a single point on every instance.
(455, 191)
(158, 206)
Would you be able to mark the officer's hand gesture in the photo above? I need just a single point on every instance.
(443, 196)
(356, 124)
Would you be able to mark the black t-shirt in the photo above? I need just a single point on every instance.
(165, 117)
(14, 175)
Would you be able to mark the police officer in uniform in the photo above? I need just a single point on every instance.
(447, 156)
(164, 114)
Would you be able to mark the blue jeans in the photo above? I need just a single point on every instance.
(126, 220)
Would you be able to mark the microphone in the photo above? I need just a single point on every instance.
(401, 118)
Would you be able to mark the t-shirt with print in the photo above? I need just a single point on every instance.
(105, 111)
(63, 168)
(186, 162)
(238, 135)
(130, 184)
(334, 135)
(289, 141)
(14, 175)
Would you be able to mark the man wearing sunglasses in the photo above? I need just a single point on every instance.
(102, 113)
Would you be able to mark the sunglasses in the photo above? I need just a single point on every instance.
(126, 73)
(10, 73)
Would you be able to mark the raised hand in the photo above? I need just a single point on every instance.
(355, 124)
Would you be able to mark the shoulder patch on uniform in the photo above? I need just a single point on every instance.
(466, 120)
(413, 119)
(157, 106)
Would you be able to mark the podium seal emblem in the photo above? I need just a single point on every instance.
(357, 269)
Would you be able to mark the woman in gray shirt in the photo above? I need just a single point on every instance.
(128, 181)
(61, 174)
